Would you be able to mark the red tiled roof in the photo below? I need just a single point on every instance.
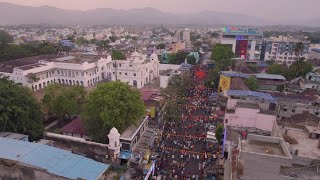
(76, 126)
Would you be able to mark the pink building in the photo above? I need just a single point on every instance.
(246, 115)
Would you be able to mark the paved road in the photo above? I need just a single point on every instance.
(184, 149)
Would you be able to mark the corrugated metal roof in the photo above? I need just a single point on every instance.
(56, 161)
(250, 93)
(270, 76)
(316, 50)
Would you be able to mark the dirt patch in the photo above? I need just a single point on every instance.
(290, 139)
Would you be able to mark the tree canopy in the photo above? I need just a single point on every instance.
(13, 51)
(222, 55)
(219, 132)
(112, 104)
(179, 84)
(5, 37)
(161, 46)
(118, 55)
(212, 80)
(19, 110)
(177, 58)
(298, 68)
(298, 49)
(62, 101)
(252, 83)
(191, 60)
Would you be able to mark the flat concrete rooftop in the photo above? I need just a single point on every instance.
(307, 147)
(132, 130)
(262, 147)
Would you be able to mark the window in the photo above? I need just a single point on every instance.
(77, 73)
(58, 72)
(126, 74)
(120, 73)
(119, 65)
(293, 110)
(82, 73)
(113, 72)
(316, 113)
(285, 110)
(134, 74)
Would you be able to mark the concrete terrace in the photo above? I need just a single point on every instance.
(307, 147)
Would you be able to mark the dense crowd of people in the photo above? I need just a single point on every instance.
(184, 149)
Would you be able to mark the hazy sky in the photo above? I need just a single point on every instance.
(268, 9)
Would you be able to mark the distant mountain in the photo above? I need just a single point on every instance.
(16, 14)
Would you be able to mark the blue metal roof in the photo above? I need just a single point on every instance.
(236, 75)
(270, 76)
(316, 50)
(56, 161)
(265, 96)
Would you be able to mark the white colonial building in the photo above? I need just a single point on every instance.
(137, 70)
(85, 70)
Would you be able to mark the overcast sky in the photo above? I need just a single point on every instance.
(267, 9)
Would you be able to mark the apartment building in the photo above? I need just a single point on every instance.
(281, 49)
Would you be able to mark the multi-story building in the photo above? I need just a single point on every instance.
(281, 49)
(86, 70)
(245, 42)
(186, 35)
(176, 46)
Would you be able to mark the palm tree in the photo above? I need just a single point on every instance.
(298, 49)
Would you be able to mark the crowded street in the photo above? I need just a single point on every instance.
(185, 150)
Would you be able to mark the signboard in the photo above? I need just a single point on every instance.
(224, 84)
(236, 30)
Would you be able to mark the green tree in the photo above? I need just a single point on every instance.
(62, 102)
(118, 55)
(179, 84)
(181, 56)
(128, 37)
(191, 60)
(277, 69)
(5, 37)
(81, 40)
(112, 104)
(252, 83)
(222, 55)
(113, 38)
(299, 68)
(298, 49)
(103, 45)
(213, 34)
(172, 111)
(172, 58)
(219, 131)
(212, 80)
(161, 46)
(19, 110)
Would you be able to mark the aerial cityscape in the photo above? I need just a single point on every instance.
(159, 90)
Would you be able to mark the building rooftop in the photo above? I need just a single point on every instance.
(248, 105)
(76, 126)
(262, 95)
(54, 160)
(14, 136)
(270, 76)
(307, 147)
(133, 129)
(8, 66)
(265, 145)
(262, 147)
